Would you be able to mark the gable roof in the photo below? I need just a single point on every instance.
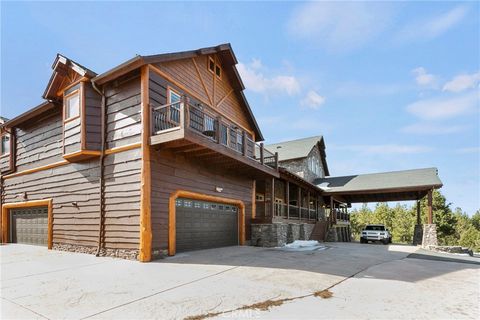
(384, 186)
(60, 71)
(226, 54)
(299, 149)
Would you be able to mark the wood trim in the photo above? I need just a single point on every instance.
(65, 98)
(145, 246)
(204, 197)
(64, 162)
(82, 116)
(124, 148)
(254, 199)
(73, 84)
(186, 91)
(83, 154)
(28, 204)
(28, 171)
(201, 79)
(224, 97)
(171, 89)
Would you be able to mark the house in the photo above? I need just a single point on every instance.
(159, 155)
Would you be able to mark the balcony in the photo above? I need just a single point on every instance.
(203, 133)
(283, 212)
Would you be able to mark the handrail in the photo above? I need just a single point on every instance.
(208, 123)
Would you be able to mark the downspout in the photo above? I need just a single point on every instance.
(102, 167)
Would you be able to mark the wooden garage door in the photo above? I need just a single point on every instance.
(29, 225)
(203, 225)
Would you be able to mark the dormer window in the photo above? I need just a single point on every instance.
(5, 146)
(72, 105)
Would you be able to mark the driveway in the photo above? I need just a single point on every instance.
(366, 280)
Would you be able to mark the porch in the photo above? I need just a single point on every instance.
(201, 132)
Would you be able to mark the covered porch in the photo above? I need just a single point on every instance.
(407, 185)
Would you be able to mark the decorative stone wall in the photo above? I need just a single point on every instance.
(128, 254)
(332, 235)
(451, 249)
(418, 235)
(293, 232)
(279, 234)
(429, 235)
(306, 230)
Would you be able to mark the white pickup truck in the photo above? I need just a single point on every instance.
(376, 232)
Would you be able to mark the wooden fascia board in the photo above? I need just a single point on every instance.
(387, 190)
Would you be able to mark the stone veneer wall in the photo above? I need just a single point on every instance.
(129, 254)
(429, 235)
(279, 234)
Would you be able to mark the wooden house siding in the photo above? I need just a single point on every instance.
(92, 118)
(39, 141)
(4, 163)
(72, 136)
(193, 76)
(123, 104)
(172, 172)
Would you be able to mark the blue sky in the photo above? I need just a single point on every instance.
(391, 85)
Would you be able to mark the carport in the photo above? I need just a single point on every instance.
(387, 186)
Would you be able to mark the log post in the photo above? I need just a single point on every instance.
(272, 197)
(262, 159)
(299, 203)
(430, 211)
(287, 192)
(419, 221)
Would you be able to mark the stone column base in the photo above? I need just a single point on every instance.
(418, 235)
(429, 235)
(332, 235)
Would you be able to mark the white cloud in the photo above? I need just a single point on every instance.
(362, 89)
(462, 82)
(434, 26)
(432, 129)
(385, 149)
(339, 25)
(469, 150)
(256, 81)
(312, 100)
(423, 78)
(445, 107)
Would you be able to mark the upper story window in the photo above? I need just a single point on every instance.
(173, 97)
(72, 105)
(314, 166)
(214, 67)
(5, 145)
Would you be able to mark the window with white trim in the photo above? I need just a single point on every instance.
(5, 146)
(72, 105)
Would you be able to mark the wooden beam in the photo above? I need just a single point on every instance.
(272, 207)
(287, 192)
(430, 210)
(419, 221)
(224, 97)
(299, 202)
(201, 81)
(145, 247)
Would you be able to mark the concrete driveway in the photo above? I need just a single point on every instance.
(367, 281)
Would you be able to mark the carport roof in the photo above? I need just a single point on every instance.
(384, 186)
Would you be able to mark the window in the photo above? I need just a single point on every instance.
(211, 64)
(72, 105)
(5, 144)
(214, 67)
(174, 97)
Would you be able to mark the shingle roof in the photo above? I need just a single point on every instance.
(298, 149)
(416, 178)
(294, 149)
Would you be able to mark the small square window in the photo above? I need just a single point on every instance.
(218, 71)
(5, 144)
(72, 106)
(211, 64)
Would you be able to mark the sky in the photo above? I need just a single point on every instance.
(390, 85)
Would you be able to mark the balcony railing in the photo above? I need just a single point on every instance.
(263, 210)
(208, 123)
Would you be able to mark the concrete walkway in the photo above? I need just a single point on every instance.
(368, 281)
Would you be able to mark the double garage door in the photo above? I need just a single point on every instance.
(29, 226)
(203, 225)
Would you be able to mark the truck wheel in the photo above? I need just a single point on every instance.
(362, 240)
(385, 241)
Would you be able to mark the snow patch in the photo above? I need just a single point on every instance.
(303, 245)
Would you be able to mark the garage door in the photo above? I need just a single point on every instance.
(29, 225)
(203, 225)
